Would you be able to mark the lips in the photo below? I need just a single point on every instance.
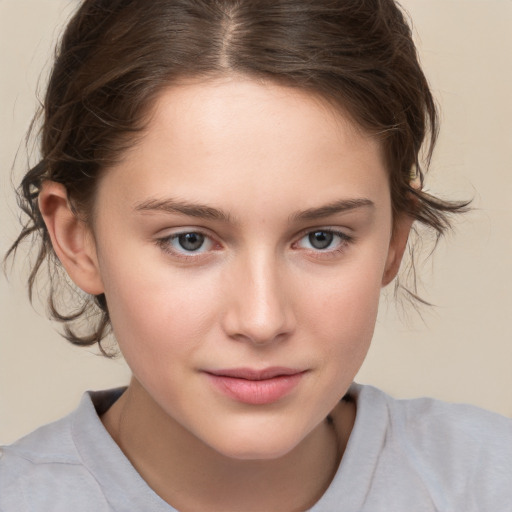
(256, 387)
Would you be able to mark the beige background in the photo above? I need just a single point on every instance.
(461, 351)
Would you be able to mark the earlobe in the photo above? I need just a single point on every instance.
(71, 238)
(397, 245)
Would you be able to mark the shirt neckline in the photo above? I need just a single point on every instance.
(120, 482)
(125, 489)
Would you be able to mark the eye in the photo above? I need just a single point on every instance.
(323, 240)
(185, 243)
(320, 239)
(189, 241)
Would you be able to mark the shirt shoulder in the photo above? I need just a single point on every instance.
(462, 454)
(435, 427)
(43, 471)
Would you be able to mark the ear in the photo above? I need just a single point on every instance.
(401, 229)
(71, 238)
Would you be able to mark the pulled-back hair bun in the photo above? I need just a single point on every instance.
(117, 55)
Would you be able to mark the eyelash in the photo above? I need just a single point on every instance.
(165, 244)
(344, 240)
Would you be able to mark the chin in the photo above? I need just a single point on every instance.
(260, 446)
(256, 452)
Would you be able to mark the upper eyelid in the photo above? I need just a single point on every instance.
(336, 232)
(173, 232)
(343, 232)
(206, 232)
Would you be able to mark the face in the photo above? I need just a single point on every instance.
(242, 245)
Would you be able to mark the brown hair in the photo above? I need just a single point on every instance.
(117, 55)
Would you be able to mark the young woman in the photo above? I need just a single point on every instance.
(230, 185)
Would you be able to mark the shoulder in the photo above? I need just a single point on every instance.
(428, 418)
(45, 470)
(429, 422)
(459, 449)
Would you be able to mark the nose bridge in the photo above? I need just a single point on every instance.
(261, 308)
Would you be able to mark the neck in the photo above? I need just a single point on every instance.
(190, 475)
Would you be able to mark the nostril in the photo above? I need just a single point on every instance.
(259, 327)
(259, 308)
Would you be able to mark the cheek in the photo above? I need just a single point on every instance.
(157, 312)
(337, 325)
(348, 317)
(342, 309)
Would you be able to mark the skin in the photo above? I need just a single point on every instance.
(267, 165)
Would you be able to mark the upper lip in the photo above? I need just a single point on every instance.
(253, 374)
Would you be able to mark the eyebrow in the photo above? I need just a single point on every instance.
(208, 212)
(184, 207)
(341, 206)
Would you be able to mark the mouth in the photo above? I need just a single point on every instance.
(256, 387)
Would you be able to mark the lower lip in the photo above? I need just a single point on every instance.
(256, 392)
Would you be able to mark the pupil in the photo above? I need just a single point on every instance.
(191, 241)
(320, 239)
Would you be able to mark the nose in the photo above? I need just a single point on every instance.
(259, 302)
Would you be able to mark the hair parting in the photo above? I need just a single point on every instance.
(116, 56)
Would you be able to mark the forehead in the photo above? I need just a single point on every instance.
(238, 137)
(232, 108)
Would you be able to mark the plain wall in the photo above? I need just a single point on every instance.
(461, 350)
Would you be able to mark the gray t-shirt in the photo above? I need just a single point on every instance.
(402, 456)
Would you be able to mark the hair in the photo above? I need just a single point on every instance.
(115, 57)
